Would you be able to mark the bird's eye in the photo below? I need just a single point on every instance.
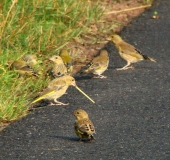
(77, 112)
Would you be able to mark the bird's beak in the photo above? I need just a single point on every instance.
(50, 59)
(74, 84)
(108, 39)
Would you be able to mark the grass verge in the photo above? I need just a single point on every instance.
(35, 27)
(43, 28)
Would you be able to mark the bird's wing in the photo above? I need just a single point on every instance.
(57, 83)
(27, 70)
(46, 92)
(126, 48)
(97, 63)
(49, 91)
(18, 64)
(86, 126)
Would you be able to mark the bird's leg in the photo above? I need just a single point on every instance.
(100, 76)
(61, 103)
(130, 67)
(58, 103)
(91, 138)
(126, 67)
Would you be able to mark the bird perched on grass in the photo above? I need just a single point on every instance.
(83, 126)
(23, 68)
(128, 52)
(58, 69)
(30, 59)
(55, 89)
(99, 64)
(68, 61)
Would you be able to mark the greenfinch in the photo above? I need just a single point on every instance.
(23, 68)
(99, 64)
(58, 68)
(68, 61)
(83, 126)
(55, 89)
(128, 52)
(30, 59)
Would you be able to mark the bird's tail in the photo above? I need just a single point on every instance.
(38, 99)
(149, 58)
(42, 97)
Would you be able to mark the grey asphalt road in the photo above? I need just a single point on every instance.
(131, 114)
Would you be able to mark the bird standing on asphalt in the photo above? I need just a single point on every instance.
(23, 68)
(128, 52)
(99, 64)
(56, 88)
(68, 61)
(58, 69)
(83, 126)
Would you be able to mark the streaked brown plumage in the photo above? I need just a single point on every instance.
(128, 52)
(30, 59)
(58, 69)
(56, 88)
(83, 126)
(99, 64)
(23, 68)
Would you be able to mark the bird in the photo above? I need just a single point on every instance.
(68, 61)
(23, 68)
(128, 52)
(83, 126)
(55, 89)
(58, 69)
(30, 59)
(99, 64)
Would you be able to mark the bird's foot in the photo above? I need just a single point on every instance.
(59, 103)
(100, 76)
(130, 67)
(120, 69)
(125, 68)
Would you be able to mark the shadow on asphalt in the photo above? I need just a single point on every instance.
(74, 139)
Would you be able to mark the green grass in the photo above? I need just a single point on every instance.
(40, 27)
